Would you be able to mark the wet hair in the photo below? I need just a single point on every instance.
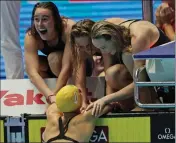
(81, 28)
(58, 20)
(110, 31)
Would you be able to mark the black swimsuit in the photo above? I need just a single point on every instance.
(162, 38)
(47, 49)
(63, 130)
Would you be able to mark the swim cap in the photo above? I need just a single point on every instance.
(68, 99)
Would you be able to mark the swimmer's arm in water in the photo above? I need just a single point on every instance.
(32, 64)
(66, 61)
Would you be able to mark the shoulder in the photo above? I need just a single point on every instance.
(145, 30)
(29, 38)
(52, 115)
(146, 26)
(52, 110)
(115, 20)
(30, 41)
(68, 23)
(67, 26)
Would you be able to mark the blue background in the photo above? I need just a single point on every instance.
(129, 9)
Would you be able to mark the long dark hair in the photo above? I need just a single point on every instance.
(81, 28)
(55, 13)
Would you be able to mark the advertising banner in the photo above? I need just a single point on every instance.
(108, 129)
(152, 127)
(163, 128)
(21, 96)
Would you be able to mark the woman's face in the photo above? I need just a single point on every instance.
(106, 46)
(44, 23)
(84, 44)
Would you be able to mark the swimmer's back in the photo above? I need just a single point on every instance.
(80, 127)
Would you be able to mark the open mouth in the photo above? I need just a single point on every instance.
(43, 31)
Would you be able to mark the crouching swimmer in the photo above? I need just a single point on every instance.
(64, 121)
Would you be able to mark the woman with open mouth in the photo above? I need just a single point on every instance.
(50, 34)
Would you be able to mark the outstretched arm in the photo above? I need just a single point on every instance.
(80, 81)
(98, 105)
(32, 65)
(66, 61)
(139, 42)
(89, 116)
(65, 71)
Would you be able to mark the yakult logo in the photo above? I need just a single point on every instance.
(29, 98)
(13, 99)
(100, 135)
